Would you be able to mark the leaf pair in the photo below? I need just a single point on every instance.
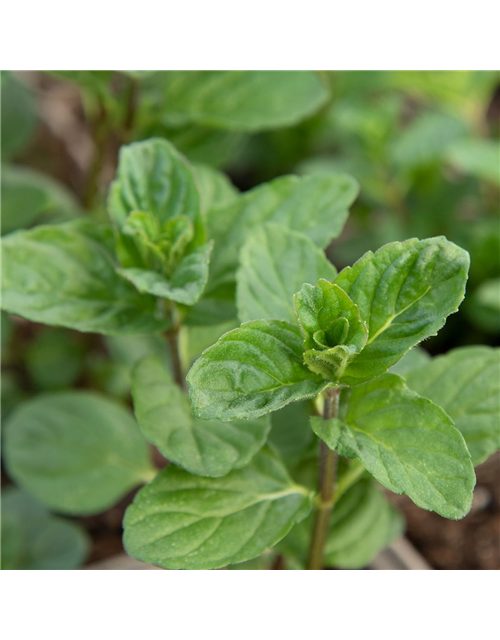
(351, 331)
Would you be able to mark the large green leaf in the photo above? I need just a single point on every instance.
(466, 384)
(75, 451)
(408, 443)
(251, 371)
(154, 177)
(181, 521)
(204, 447)
(362, 524)
(65, 275)
(186, 283)
(314, 205)
(275, 262)
(332, 328)
(242, 100)
(29, 196)
(404, 293)
(34, 539)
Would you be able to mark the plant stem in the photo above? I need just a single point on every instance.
(173, 342)
(327, 479)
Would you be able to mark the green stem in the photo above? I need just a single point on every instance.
(327, 479)
(173, 342)
(100, 138)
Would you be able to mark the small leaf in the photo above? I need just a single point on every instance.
(242, 100)
(332, 328)
(186, 283)
(153, 177)
(64, 275)
(404, 293)
(409, 444)
(75, 451)
(203, 447)
(181, 521)
(275, 262)
(362, 524)
(466, 384)
(34, 539)
(251, 371)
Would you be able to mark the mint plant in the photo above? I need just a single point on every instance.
(309, 380)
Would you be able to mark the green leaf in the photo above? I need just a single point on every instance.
(362, 524)
(251, 371)
(314, 205)
(18, 115)
(65, 275)
(186, 283)
(427, 139)
(290, 432)
(332, 328)
(29, 196)
(466, 384)
(203, 447)
(477, 157)
(34, 539)
(215, 188)
(75, 451)
(181, 521)
(413, 359)
(275, 262)
(409, 444)
(153, 177)
(404, 293)
(242, 100)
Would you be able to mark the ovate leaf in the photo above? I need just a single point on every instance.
(251, 371)
(332, 328)
(186, 283)
(204, 447)
(466, 384)
(154, 177)
(404, 292)
(65, 275)
(34, 539)
(409, 444)
(362, 524)
(242, 100)
(75, 451)
(274, 263)
(181, 521)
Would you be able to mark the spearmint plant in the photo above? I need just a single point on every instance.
(312, 378)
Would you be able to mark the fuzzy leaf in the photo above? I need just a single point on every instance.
(65, 275)
(316, 206)
(404, 293)
(181, 521)
(409, 444)
(153, 177)
(242, 100)
(275, 262)
(466, 384)
(75, 451)
(203, 447)
(186, 283)
(251, 371)
(332, 328)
